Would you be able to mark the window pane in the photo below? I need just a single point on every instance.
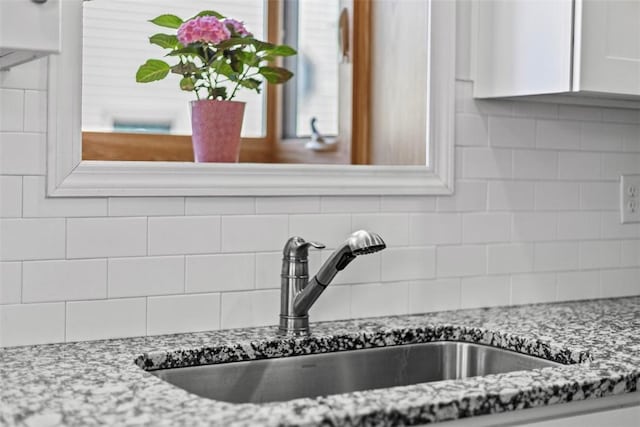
(317, 68)
(116, 43)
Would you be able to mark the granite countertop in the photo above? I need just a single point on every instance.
(102, 383)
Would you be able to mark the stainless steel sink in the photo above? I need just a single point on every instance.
(293, 377)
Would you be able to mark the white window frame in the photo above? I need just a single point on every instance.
(70, 176)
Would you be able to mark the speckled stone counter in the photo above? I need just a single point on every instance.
(102, 382)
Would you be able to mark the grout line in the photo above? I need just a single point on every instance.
(66, 315)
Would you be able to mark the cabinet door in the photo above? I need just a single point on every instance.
(610, 51)
(30, 25)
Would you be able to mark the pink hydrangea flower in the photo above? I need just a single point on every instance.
(207, 29)
(236, 26)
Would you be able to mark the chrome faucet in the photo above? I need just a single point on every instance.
(298, 293)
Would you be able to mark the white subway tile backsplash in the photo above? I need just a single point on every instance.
(287, 205)
(530, 164)
(486, 163)
(64, 280)
(578, 225)
(146, 206)
(10, 282)
(619, 283)
(22, 153)
(536, 192)
(35, 111)
(329, 229)
(393, 228)
(631, 138)
(630, 256)
(577, 112)
(23, 324)
(558, 135)
(579, 166)
(132, 277)
(471, 130)
(220, 205)
(254, 233)
(105, 237)
(334, 304)
(555, 256)
(30, 75)
(512, 132)
(469, 196)
(183, 313)
(268, 269)
(38, 205)
(533, 288)
(31, 239)
(94, 320)
(336, 204)
(620, 115)
(10, 196)
(408, 263)
(488, 291)
(184, 235)
(600, 254)
(434, 295)
(601, 136)
(458, 261)
(379, 299)
(225, 272)
(435, 229)
(557, 196)
(537, 226)
(510, 196)
(599, 196)
(614, 165)
(578, 285)
(510, 258)
(611, 228)
(407, 204)
(244, 309)
(11, 109)
(486, 227)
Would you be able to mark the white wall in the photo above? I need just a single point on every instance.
(534, 219)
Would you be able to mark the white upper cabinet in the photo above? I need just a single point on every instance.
(29, 29)
(582, 49)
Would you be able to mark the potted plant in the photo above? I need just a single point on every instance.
(215, 57)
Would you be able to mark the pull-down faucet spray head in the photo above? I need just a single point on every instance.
(297, 298)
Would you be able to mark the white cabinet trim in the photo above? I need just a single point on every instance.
(68, 176)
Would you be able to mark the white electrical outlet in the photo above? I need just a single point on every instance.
(630, 198)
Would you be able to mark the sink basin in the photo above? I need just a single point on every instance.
(287, 378)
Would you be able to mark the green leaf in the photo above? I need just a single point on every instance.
(218, 92)
(251, 84)
(187, 84)
(282, 50)
(209, 13)
(249, 58)
(191, 50)
(275, 75)
(166, 41)
(152, 70)
(168, 21)
(185, 68)
(235, 41)
(235, 63)
(259, 45)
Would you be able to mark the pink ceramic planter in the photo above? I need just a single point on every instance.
(216, 129)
